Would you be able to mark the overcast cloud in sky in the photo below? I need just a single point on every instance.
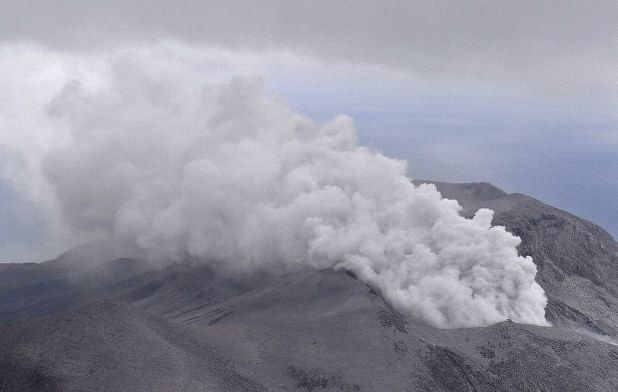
(520, 94)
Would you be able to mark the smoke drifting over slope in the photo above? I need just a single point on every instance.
(222, 173)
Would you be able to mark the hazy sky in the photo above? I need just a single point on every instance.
(520, 94)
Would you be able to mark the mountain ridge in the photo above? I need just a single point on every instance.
(314, 330)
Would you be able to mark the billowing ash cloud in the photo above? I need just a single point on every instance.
(225, 174)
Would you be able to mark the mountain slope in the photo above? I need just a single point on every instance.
(577, 260)
(113, 347)
(316, 330)
(185, 327)
(327, 328)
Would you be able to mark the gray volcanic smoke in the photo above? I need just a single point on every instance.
(225, 174)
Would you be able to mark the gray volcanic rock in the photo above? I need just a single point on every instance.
(471, 196)
(31, 289)
(184, 327)
(577, 260)
(113, 347)
(325, 329)
(314, 330)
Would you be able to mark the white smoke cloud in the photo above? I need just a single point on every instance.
(221, 172)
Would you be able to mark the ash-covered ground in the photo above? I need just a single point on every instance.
(84, 323)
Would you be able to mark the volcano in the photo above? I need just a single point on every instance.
(95, 319)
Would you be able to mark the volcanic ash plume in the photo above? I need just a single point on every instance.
(225, 174)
